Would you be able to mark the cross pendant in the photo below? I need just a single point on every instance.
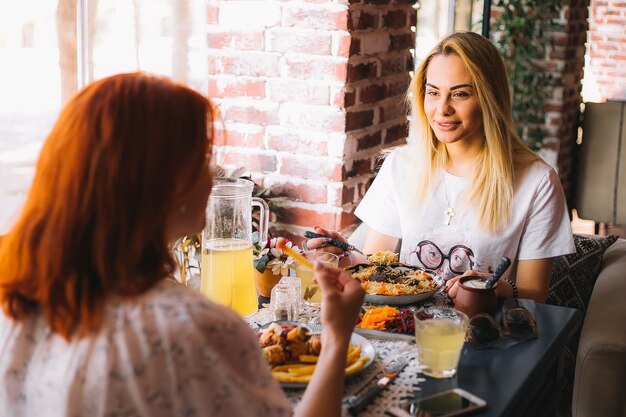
(449, 213)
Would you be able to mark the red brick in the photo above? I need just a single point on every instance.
(347, 194)
(396, 133)
(355, 46)
(290, 40)
(395, 19)
(286, 231)
(236, 87)
(251, 113)
(252, 162)
(304, 217)
(284, 140)
(397, 110)
(298, 92)
(346, 220)
(359, 167)
(236, 39)
(398, 85)
(315, 18)
(249, 63)
(341, 45)
(327, 69)
(403, 41)
(393, 65)
(396, 142)
(308, 193)
(212, 13)
(312, 117)
(311, 168)
(359, 119)
(247, 136)
(362, 71)
(349, 98)
(371, 93)
(362, 19)
(369, 141)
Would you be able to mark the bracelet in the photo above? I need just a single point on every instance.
(512, 284)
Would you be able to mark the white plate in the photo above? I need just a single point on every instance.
(398, 300)
(383, 335)
(367, 349)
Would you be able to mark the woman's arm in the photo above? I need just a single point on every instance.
(533, 279)
(374, 241)
(342, 298)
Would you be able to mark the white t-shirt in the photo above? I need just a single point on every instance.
(539, 226)
(170, 352)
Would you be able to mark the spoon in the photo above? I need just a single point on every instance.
(502, 266)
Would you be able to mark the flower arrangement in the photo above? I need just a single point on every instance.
(267, 255)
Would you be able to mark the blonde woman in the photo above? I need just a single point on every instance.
(466, 190)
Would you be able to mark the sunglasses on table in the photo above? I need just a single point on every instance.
(517, 323)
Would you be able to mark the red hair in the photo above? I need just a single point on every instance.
(94, 222)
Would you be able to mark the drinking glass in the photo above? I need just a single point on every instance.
(284, 302)
(440, 334)
(295, 285)
(311, 293)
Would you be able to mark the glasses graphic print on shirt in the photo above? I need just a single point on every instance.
(460, 258)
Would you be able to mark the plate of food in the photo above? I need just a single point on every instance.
(386, 322)
(291, 349)
(389, 282)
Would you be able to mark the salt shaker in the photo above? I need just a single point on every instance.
(295, 285)
(282, 302)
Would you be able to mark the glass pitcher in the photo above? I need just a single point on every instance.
(227, 270)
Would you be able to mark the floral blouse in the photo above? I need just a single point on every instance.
(170, 352)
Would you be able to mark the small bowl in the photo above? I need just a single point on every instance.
(472, 301)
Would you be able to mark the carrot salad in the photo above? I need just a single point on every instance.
(378, 317)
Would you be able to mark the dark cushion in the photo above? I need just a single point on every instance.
(571, 285)
(574, 275)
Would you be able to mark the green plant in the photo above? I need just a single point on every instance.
(521, 39)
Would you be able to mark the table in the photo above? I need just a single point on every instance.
(519, 379)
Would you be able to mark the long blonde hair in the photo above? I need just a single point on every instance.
(491, 190)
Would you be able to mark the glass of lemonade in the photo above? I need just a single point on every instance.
(440, 334)
(311, 293)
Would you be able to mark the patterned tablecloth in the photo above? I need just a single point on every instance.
(402, 387)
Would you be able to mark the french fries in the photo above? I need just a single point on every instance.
(301, 372)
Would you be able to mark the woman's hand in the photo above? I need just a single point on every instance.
(346, 258)
(453, 283)
(342, 297)
(321, 243)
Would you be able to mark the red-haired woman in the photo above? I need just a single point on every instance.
(90, 325)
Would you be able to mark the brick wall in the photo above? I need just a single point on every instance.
(607, 48)
(309, 92)
(564, 62)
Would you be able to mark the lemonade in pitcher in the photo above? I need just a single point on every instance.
(227, 274)
(227, 271)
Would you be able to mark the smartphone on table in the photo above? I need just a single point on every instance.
(451, 403)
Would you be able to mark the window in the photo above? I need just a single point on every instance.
(50, 48)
